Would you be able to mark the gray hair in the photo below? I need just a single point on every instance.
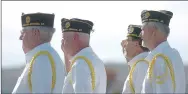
(84, 37)
(46, 32)
(158, 26)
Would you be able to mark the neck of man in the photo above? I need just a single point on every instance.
(135, 54)
(68, 61)
(77, 50)
(155, 44)
(28, 49)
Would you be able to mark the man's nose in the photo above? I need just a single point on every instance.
(62, 40)
(123, 43)
(22, 35)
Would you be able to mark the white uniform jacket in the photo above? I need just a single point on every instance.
(160, 81)
(79, 79)
(40, 80)
(138, 74)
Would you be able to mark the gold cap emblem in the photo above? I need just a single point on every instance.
(146, 15)
(131, 29)
(67, 24)
(28, 19)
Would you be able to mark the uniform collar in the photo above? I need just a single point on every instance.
(160, 47)
(142, 55)
(82, 52)
(31, 53)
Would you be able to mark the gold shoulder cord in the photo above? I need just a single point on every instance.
(90, 67)
(52, 66)
(129, 68)
(170, 67)
(131, 73)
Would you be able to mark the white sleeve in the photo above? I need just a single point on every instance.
(81, 77)
(138, 77)
(20, 86)
(41, 75)
(152, 85)
(126, 87)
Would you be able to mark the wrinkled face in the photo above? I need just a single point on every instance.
(67, 42)
(146, 35)
(29, 39)
(129, 47)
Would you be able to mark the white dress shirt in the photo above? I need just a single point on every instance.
(80, 75)
(151, 85)
(138, 74)
(41, 77)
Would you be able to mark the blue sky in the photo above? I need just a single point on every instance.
(111, 20)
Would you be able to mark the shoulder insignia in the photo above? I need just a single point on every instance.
(52, 62)
(89, 63)
(131, 74)
(160, 79)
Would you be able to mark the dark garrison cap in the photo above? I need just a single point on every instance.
(134, 31)
(76, 25)
(37, 19)
(162, 16)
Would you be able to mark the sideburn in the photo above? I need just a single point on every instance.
(135, 46)
(152, 35)
(35, 37)
(76, 39)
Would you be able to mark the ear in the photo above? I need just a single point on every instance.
(36, 32)
(136, 43)
(152, 31)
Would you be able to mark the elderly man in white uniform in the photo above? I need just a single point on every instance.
(135, 54)
(87, 72)
(166, 70)
(44, 71)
